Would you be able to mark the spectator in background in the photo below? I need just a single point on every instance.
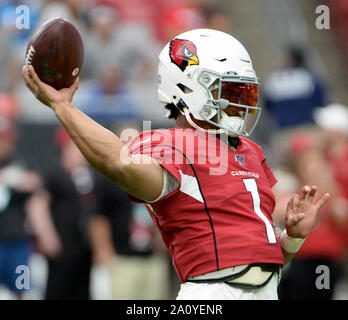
(326, 243)
(17, 187)
(125, 242)
(69, 201)
(108, 100)
(112, 40)
(293, 91)
(333, 124)
(102, 44)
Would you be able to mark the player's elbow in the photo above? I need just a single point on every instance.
(115, 169)
(140, 176)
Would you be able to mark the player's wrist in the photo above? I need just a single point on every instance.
(290, 244)
(60, 106)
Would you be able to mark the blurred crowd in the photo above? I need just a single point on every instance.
(79, 233)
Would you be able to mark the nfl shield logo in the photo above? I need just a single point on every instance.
(240, 159)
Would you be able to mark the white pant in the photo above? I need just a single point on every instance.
(223, 291)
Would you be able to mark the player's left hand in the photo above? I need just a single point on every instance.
(301, 212)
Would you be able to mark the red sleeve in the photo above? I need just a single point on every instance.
(269, 174)
(158, 145)
(267, 170)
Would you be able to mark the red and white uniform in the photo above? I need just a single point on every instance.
(220, 216)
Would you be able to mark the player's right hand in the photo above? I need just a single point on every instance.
(44, 92)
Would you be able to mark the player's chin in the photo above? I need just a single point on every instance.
(207, 126)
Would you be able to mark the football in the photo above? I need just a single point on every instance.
(56, 52)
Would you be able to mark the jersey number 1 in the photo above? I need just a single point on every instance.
(251, 186)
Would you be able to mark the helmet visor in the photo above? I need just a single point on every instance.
(239, 103)
(244, 94)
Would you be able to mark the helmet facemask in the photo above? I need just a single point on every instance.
(231, 106)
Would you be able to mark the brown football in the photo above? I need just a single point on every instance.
(56, 52)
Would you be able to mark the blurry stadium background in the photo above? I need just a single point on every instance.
(300, 68)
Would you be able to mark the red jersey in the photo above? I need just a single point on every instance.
(221, 214)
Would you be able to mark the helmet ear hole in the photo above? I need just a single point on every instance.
(184, 88)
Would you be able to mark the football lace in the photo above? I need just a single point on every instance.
(29, 56)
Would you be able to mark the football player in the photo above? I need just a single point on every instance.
(207, 187)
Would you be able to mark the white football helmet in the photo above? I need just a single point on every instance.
(209, 74)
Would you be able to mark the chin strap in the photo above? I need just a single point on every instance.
(233, 123)
(194, 125)
(236, 124)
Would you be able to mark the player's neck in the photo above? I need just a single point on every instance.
(181, 122)
(233, 142)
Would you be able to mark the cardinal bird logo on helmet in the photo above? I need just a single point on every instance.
(183, 53)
